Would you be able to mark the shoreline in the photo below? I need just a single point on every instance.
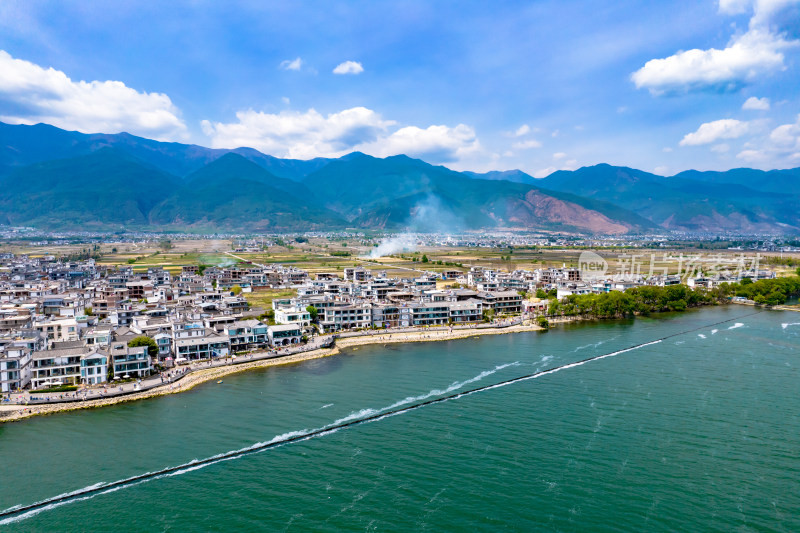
(13, 413)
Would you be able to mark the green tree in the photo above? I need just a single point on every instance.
(236, 290)
(543, 323)
(268, 317)
(312, 311)
(424, 258)
(143, 340)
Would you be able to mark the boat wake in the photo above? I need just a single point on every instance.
(410, 403)
(594, 344)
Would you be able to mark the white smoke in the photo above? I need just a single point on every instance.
(223, 261)
(429, 215)
(392, 245)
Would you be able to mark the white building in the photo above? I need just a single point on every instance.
(94, 368)
(284, 334)
(15, 369)
(292, 315)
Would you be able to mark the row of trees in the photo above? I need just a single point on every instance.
(643, 300)
(639, 300)
(766, 291)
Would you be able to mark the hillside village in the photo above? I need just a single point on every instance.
(68, 323)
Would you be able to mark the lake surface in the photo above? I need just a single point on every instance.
(699, 432)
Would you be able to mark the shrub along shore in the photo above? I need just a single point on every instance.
(647, 299)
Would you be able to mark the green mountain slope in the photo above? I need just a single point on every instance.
(54, 178)
(102, 189)
(234, 193)
(403, 192)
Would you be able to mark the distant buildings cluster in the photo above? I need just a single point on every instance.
(72, 322)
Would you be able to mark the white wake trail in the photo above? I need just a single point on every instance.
(196, 464)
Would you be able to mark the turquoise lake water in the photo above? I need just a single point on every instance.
(700, 432)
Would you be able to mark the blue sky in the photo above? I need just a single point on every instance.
(660, 86)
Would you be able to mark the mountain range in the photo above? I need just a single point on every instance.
(56, 179)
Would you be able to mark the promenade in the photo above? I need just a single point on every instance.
(184, 377)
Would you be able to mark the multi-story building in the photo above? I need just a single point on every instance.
(284, 334)
(94, 368)
(129, 361)
(202, 347)
(350, 316)
(57, 367)
(15, 368)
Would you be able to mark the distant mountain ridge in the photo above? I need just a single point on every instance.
(737, 200)
(52, 178)
(22, 145)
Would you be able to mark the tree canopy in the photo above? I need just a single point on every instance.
(143, 340)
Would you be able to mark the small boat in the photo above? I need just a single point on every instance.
(220, 381)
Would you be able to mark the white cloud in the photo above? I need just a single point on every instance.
(758, 104)
(292, 64)
(786, 136)
(299, 135)
(31, 94)
(526, 145)
(720, 148)
(661, 170)
(752, 55)
(748, 56)
(666, 149)
(349, 67)
(752, 156)
(734, 7)
(559, 155)
(777, 148)
(522, 130)
(434, 144)
(544, 172)
(713, 131)
(310, 134)
(571, 164)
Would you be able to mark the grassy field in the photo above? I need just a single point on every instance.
(263, 298)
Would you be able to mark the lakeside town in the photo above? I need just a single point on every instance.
(68, 325)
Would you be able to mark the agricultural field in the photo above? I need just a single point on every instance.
(318, 255)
